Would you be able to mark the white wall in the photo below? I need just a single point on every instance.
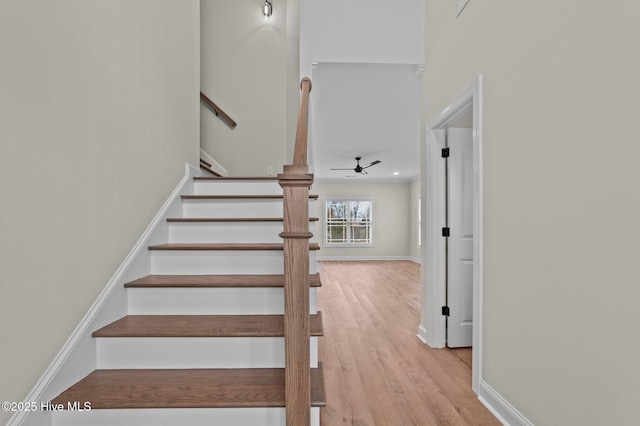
(250, 70)
(391, 215)
(98, 112)
(369, 31)
(370, 111)
(561, 173)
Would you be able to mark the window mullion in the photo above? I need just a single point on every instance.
(349, 207)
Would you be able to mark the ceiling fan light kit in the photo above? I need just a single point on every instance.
(361, 169)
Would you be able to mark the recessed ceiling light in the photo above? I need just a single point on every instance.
(396, 173)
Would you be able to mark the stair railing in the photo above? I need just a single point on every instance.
(218, 111)
(296, 182)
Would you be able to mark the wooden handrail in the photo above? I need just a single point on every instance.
(295, 182)
(300, 150)
(218, 111)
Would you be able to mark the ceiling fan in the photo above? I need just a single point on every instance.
(361, 169)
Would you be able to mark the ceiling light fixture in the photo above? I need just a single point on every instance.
(396, 173)
(267, 9)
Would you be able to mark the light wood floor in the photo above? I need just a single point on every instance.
(377, 372)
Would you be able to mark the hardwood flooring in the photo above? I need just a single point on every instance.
(377, 372)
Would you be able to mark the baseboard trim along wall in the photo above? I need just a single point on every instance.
(500, 407)
(215, 166)
(422, 335)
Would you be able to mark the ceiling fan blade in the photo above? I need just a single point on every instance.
(372, 164)
(340, 169)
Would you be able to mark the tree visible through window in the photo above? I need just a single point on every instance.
(348, 221)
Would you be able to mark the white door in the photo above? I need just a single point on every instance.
(460, 242)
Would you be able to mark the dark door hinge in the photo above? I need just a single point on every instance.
(445, 152)
(446, 232)
(445, 311)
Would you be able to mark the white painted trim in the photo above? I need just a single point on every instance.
(178, 416)
(372, 222)
(215, 166)
(195, 352)
(500, 407)
(460, 5)
(422, 335)
(415, 260)
(433, 324)
(77, 356)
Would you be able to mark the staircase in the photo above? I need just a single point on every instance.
(203, 341)
(207, 168)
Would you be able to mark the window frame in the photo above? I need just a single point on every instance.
(328, 244)
(419, 221)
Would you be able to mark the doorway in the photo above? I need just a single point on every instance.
(433, 327)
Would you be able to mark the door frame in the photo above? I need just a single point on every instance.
(432, 329)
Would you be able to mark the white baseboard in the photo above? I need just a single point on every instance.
(77, 357)
(500, 407)
(415, 260)
(422, 334)
(215, 166)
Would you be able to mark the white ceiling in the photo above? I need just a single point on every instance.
(370, 111)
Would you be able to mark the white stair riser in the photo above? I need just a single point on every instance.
(198, 262)
(210, 301)
(213, 187)
(226, 232)
(266, 416)
(234, 208)
(194, 352)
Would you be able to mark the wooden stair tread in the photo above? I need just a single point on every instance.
(226, 246)
(238, 197)
(222, 281)
(153, 281)
(230, 219)
(187, 388)
(202, 326)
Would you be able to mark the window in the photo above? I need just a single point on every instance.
(419, 222)
(348, 222)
